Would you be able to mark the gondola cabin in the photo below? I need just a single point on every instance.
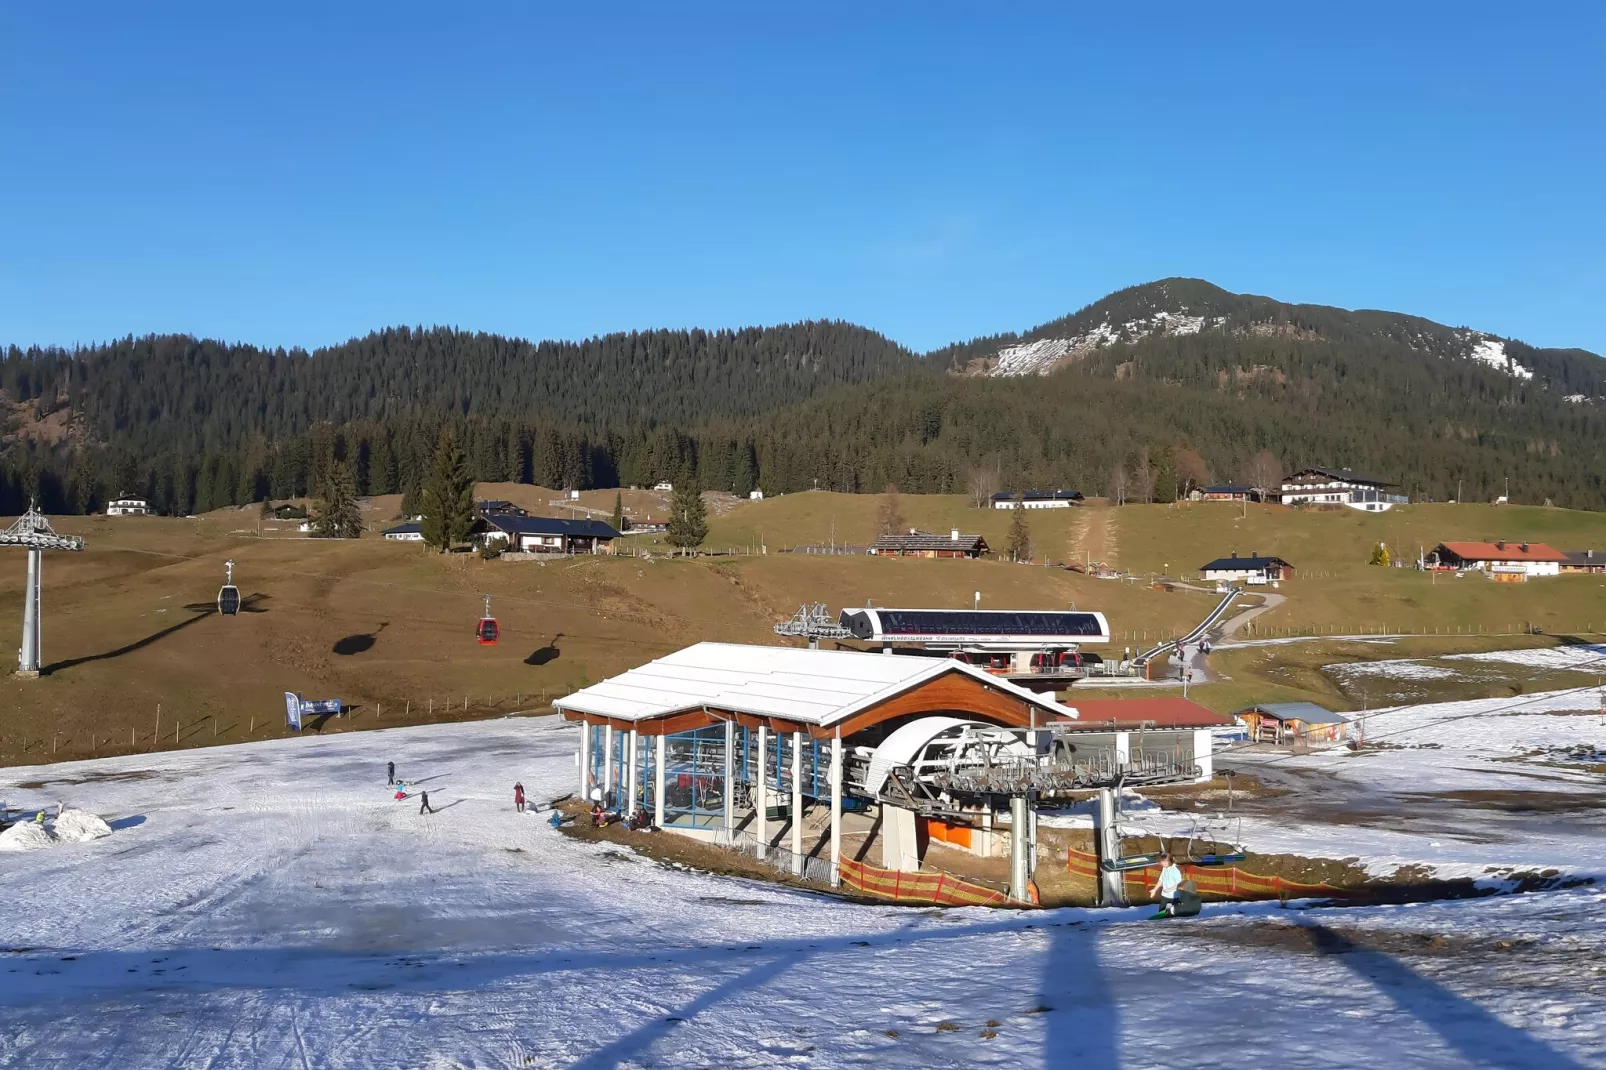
(487, 631)
(228, 596)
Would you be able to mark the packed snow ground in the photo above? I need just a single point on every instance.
(270, 905)
(1488, 789)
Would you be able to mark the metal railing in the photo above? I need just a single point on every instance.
(781, 859)
(1102, 768)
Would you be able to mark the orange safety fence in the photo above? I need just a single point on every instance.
(938, 889)
(1224, 882)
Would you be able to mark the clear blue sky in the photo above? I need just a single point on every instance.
(295, 175)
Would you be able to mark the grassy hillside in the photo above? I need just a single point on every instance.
(1334, 589)
(128, 624)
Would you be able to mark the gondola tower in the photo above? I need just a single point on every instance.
(32, 531)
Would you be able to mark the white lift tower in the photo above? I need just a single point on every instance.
(33, 531)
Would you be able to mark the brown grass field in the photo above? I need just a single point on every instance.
(129, 624)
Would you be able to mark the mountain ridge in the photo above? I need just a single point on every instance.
(1166, 376)
(1187, 306)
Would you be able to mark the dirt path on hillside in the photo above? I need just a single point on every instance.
(1233, 625)
(1093, 537)
(1194, 657)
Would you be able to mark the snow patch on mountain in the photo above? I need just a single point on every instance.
(1045, 354)
(1032, 358)
(1576, 399)
(1492, 351)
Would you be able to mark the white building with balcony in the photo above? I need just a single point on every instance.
(1340, 486)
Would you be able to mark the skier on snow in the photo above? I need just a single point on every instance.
(518, 797)
(390, 772)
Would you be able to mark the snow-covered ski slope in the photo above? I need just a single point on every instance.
(269, 905)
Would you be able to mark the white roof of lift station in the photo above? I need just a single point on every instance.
(816, 687)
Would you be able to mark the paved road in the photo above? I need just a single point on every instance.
(1193, 659)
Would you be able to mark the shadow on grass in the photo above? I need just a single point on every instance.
(546, 654)
(360, 643)
(202, 610)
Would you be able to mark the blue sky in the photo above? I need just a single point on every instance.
(295, 175)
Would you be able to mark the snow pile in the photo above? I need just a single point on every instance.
(1576, 399)
(1583, 657)
(1402, 669)
(78, 826)
(26, 836)
(1492, 351)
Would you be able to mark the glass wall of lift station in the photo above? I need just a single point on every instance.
(694, 771)
(694, 777)
(646, 767)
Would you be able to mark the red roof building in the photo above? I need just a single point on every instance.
(1519, 559)
(1126, 714)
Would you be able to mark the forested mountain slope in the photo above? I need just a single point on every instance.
(177, 392)
(1178, 308)
(1144, 392)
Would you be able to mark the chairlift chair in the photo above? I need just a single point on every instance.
(1228, 829)
(228, 596)
(487, 631)
(1126, 862)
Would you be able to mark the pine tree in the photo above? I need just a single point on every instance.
(1381, 555)
(1165, 476)
(447, 500)
(688, 516)
(338, 514)
(1019, 545)
(618, 511)
(82, 482)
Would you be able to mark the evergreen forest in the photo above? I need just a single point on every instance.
(194, 424)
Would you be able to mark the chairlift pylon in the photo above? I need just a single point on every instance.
(1125, 862)
(487, 631)
(228, 596)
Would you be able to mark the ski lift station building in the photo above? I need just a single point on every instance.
(1039, 649)
(782, 751)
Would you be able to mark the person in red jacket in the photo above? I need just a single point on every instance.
(518, 797)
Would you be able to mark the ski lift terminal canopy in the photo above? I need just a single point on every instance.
(1003, 628)
(822, 692)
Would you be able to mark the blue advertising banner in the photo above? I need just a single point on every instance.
(292, 709)
(321, 705)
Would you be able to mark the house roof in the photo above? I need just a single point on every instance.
(1039, 495)
(1308, 712)
(1343, 475)
(1252, 563)
(815, 687)
(515, 524)
(1166, 712)
(1511, 551)
(1225, 489)
(925, 540)
(1585, 558)
(975, 625)
(404, 529)
(498, 505)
